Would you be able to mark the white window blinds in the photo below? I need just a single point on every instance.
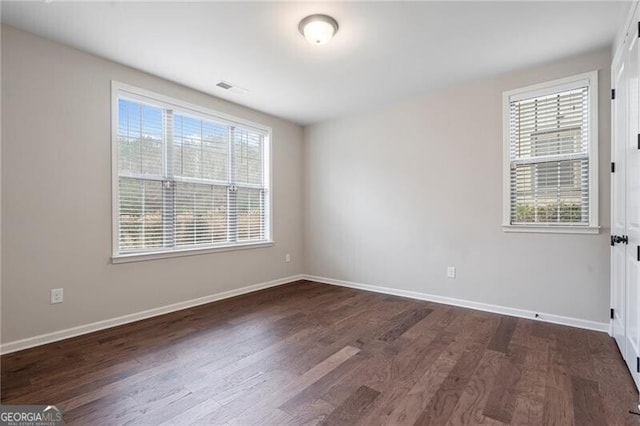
(550, 156)
(186, 179)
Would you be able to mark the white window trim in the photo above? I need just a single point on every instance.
(568, 83)
(138, 257)
(148, 96)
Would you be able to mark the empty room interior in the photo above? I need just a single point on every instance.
(320, 213)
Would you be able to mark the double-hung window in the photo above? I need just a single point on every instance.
(186, 179)
(551, 156)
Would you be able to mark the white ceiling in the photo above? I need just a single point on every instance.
(383, 51)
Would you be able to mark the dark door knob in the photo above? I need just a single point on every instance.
(619, 239)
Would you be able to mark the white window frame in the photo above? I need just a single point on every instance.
(132, 92)
(542, 89)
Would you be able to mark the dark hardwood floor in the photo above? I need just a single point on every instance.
(309, 353)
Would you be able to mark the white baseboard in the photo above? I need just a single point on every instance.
(514, 312)
(55, 336)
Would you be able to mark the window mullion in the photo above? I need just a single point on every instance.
(168, 187)
(232, 191)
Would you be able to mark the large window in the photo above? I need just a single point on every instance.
(185, 178)
(550, 155)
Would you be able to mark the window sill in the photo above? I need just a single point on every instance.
(545, 229)
(139, 257)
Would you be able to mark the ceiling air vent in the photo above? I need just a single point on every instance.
(231, 87)
(224, 85)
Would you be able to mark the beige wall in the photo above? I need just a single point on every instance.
(394, 196)
(56, 190)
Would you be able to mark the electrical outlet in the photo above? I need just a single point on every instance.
(451, 272)
(287, 257)
(57, 295)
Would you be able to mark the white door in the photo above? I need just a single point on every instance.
(618, 207)
(632, 192)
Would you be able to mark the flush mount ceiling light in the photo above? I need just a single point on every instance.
(318, 29)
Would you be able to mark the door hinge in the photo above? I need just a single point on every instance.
(638, 140)
(611, 313)
(638, 28)
(638, 256)
(638, 364)
(613, 167)
(613, 94)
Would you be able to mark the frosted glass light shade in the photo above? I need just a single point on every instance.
(318, 29)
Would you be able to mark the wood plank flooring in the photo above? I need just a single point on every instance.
(307, 353)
